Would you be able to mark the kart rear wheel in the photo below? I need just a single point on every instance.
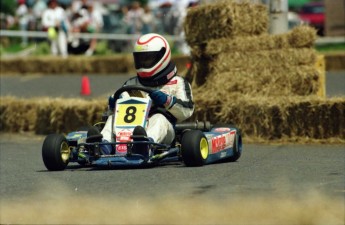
(237, 148)
(194, 148)
(55, 152)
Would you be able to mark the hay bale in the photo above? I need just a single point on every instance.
(302, 37)
(335, 61)
(17, 115)
(281, 58)
(275, 118)
(321, 69)
(74, 64)
(117, 64)
(263, 117)
(224, 20)
(298, 37)
(277, 60)
(271, 81)
(45, 115)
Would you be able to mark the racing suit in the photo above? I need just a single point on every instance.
(161, 127)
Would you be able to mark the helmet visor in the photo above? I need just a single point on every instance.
(146, 60)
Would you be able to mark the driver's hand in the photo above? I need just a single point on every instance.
(162, 99)
(111, 102)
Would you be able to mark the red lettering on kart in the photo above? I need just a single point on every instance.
(122, 136)
(218, 143)
(222, 142)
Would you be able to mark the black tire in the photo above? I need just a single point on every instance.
(237, 148)
(55, 152)
(194, 148)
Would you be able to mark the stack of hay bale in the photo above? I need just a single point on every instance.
(243, 75)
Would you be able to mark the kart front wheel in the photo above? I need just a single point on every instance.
(194, 148)
(55, 152)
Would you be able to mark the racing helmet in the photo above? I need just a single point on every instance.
(151, 57)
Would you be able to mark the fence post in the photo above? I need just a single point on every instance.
(278, 16)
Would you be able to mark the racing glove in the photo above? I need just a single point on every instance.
(162, 99)
(111, 102)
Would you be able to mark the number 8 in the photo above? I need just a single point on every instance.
(130, 114)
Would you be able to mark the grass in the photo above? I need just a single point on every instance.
(102, 48)
(330, 48)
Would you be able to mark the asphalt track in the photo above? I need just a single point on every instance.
(290, 177)
(270, 184)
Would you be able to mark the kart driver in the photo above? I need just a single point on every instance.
(172, 93)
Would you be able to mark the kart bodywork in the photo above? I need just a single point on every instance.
(196, 143)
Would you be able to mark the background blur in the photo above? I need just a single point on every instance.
(86, 27)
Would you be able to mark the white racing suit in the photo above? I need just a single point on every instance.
(160, 127)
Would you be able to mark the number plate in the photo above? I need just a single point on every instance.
(132, 112)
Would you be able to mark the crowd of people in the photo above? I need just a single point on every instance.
(63, 23)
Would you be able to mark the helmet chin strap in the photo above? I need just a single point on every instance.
(160, 78)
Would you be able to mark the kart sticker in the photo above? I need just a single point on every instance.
(221, 129)
(122, 136)
(223, 141)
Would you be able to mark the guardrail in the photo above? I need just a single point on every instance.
(101, 36)
(122, 37)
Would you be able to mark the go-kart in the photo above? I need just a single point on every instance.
(196, 143)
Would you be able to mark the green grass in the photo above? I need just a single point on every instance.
(329, 48)
(43, 48)
(14, 48)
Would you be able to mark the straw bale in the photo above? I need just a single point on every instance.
(276, 118)
(321, 69)
(16, 116)
(282, 58)
(300, 80)
(58, 65)
(302, 36)
(335, 61)
(298, 37)
(224, 19)
(47, 115)
(252, 61)
(75, 65)
(257, 116)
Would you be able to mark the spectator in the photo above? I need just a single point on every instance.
(179, 10)
(55, 22)
(134, 16)
(165, 16)
(147, 21)
(38, 8)
(31, 20)
(95, 25)
(22, 19)
(77, 5)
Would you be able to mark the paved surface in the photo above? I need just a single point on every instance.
(262, 170)
(67, 86)
(270, 184)
(103, 85)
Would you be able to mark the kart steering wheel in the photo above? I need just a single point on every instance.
(131, 88)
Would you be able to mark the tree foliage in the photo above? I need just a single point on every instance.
(8, 6)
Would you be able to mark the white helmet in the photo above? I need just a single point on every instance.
(151, 56)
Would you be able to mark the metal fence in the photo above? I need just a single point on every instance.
(126, 37)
